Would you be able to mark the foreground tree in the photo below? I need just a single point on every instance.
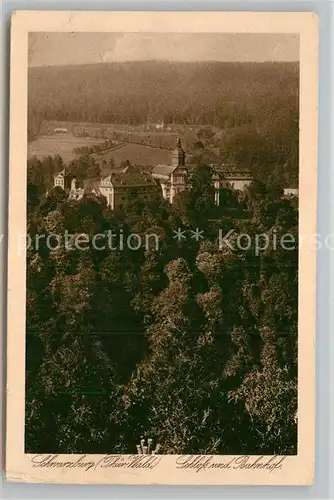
(269, 397)
(174, 395)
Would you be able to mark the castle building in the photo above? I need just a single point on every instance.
(168, 180)
(112, 189)
(117, 185)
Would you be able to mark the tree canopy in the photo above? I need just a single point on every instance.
(189, 343)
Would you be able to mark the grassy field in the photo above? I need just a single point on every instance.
(138, 154)
(64, 145)
(57, 144)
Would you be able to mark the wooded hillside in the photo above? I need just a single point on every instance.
(215, 93)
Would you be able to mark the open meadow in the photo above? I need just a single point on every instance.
(57, 144)
(66, 146)
(137, 154)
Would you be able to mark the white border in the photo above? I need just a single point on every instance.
(298, 469)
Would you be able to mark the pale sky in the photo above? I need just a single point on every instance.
(81, 48)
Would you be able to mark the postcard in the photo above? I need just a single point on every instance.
(162, 248)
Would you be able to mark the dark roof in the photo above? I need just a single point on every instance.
(163, 170)
(237, 175)
(91, 184)
(63, 173)
(227, 171)
(132, 176)
(231, 172)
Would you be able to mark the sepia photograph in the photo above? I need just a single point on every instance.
(161, 253)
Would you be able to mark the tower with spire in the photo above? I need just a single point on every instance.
(180, 172)
(172, 177)
(178, 155)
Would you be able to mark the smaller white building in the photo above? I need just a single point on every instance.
(62, 179)
(291, 193)
(237, 180)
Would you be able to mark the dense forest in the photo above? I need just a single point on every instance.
(189, 344)
(215, 93)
